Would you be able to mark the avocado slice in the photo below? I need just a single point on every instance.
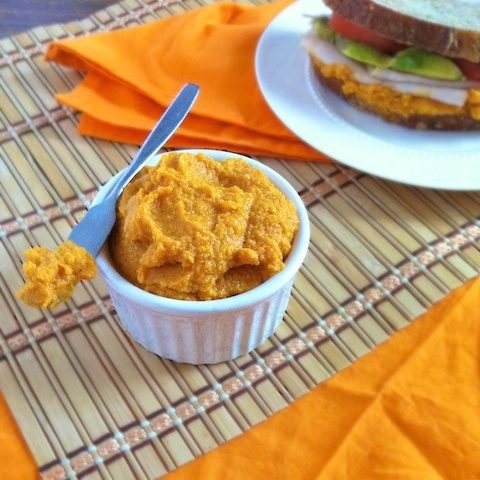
(349, 48)
(426, 64)
(323, 30)
(361, 52)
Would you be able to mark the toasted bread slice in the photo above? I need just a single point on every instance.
(458, 121)
(450, 28)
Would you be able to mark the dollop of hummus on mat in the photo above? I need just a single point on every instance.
(51, 276)
(193, 228)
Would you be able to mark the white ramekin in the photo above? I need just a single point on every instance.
(214, 330)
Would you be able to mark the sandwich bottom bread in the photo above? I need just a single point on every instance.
(421, 87)
(420, 113)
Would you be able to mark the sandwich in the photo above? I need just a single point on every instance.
(411, 62)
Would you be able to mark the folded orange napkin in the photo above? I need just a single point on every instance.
(133, 74)
(409, 410)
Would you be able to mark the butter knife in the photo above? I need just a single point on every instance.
(93, 230)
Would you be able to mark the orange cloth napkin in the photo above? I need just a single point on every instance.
(409, 410)
(16, 462)
(134, 73)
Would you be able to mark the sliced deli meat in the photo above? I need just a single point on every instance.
(328, 54)
(400, 77)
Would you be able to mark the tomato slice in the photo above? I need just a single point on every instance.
(470, 70)
(357, 33)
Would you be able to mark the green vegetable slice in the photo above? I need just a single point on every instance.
(426, 64)
(361, 52)
(323, 30)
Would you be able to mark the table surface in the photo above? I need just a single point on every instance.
(381, 253)
(19, 15)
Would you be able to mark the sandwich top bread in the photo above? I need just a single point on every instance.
(447, 27)
(413, 62)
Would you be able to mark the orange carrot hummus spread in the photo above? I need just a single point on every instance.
(395, 103)
(52, 276)
(193, 228)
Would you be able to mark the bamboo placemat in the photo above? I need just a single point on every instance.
(92, 403)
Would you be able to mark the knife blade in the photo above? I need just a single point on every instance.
(93, 230)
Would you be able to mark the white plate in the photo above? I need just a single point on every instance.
(446, 160)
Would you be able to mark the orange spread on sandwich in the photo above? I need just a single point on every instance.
(51, 276)
(392, 102)
(193, 228)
